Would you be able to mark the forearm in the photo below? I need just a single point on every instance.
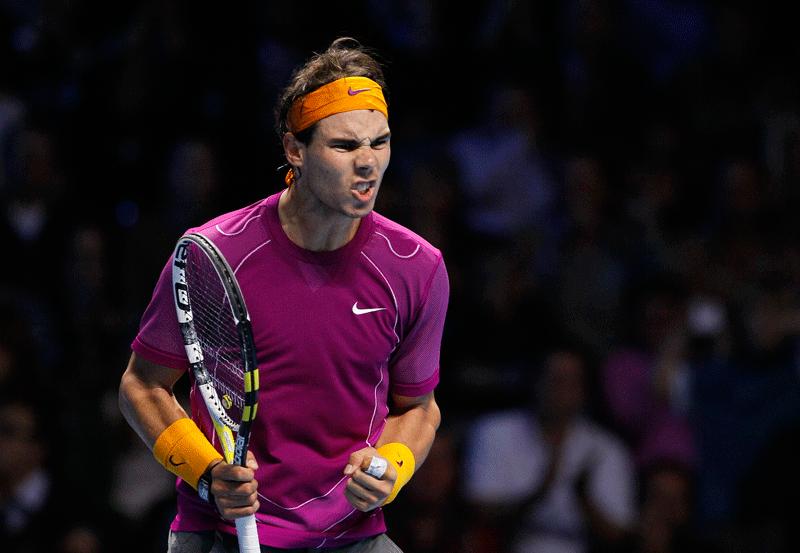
(412, 422)
(149, 405)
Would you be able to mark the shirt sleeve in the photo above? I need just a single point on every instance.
(414, 368)
(159, 339)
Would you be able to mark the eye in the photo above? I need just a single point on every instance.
(380, 143)
(344, 145)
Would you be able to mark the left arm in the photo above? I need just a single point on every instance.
(412, 421)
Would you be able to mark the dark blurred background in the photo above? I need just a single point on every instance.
(618, 175)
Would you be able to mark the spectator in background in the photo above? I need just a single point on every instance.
(502, 172)
(80, 539)
(645, 380)
(506, 196)
(27, 513)
(744, 397)
(591, 276)
(549, 479)
(33, 214)
(666, 507)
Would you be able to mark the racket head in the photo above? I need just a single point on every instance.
(218, 339)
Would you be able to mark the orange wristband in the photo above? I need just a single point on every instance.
(185, 451)
(403, 460)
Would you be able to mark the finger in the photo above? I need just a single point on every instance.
(369, 489)
(234, 473)
(360, 497)
(375, 466)
(231, 511)
(354, 462)
(356, 501)
(231, 486)
(240, 497)
(252, 464)
(241, 490)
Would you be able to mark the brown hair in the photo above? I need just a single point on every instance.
(345, 57)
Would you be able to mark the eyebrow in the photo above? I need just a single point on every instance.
(352, 143)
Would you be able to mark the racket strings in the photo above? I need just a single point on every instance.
(216, 331)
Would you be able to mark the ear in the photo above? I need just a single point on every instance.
(294, 150)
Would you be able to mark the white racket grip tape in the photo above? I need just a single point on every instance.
(248, 535)
(377, 467)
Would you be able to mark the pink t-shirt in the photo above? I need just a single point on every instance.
(335, 333)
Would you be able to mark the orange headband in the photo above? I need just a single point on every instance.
(347, 94)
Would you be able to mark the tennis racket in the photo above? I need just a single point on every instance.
(221, 350)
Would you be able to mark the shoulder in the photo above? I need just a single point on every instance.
(237, 233)
(233, 223)
(400, 243)
(413, 268)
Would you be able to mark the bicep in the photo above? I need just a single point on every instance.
(147, 371)
(399, 405)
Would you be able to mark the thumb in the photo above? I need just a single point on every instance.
(252, 464)
(355, 462)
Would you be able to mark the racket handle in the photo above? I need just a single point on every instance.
(248, 535)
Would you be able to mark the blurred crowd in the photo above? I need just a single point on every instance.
(613, 183)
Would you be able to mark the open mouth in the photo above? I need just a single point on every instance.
(364, 190)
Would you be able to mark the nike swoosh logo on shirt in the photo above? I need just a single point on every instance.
(358, 311)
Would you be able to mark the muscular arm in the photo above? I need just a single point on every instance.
(147, 401)
(412, 421)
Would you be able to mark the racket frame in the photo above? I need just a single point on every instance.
(234, 450)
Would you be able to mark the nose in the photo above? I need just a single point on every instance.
(366, 160)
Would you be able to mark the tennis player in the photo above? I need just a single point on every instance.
(347, 310)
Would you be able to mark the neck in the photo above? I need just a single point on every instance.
(310, 228)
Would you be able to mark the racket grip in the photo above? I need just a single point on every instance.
(248, 535)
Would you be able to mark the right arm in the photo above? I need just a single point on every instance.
(148, 403)
(147, 399)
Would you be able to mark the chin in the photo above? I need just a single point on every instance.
(361, 212)
(362, 209)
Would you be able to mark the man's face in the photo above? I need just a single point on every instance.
(344, 162)
(562, 387)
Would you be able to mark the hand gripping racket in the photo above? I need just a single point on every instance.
(219, 344)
